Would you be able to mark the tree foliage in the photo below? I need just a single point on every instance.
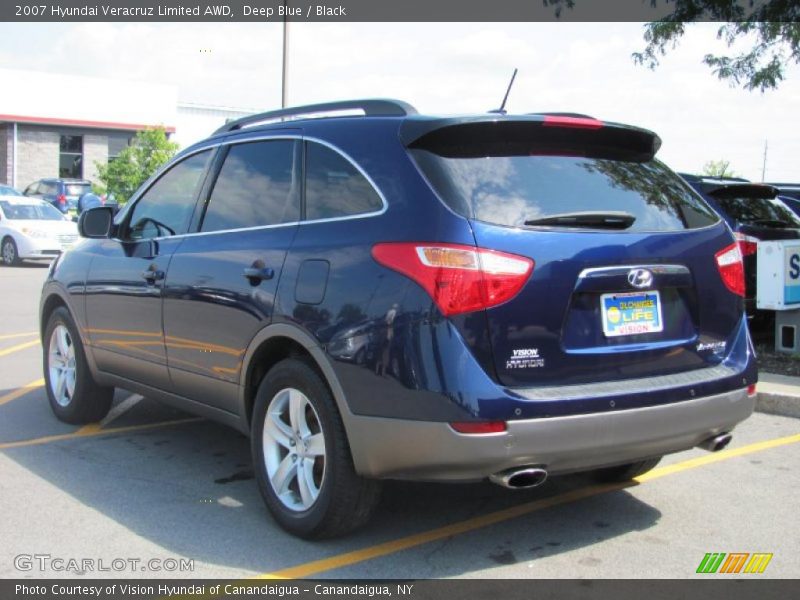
(767, 30)
(718, 168)
(135, 164)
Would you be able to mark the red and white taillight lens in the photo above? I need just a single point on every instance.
(747, 243)
(459, 278)
(731, 268)
(61, 199)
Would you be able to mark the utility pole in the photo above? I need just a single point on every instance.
(764, 165)
(285, 66)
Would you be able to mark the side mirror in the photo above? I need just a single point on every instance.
(96, 222)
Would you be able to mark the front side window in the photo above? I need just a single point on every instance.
(166, 207)
(334, 187)
(256, 186)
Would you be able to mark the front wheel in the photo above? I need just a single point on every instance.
(627, 472)
(302, 458)
(9, 252)
(73, 393)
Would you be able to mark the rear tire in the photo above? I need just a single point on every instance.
(9, 252)
(73, 394)
(627, 472)
(302, 459)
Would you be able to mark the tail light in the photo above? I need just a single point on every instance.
(459, 278)
(479, 427)
(747, 243)
(61, 199)
(751, 390)
(731, 269)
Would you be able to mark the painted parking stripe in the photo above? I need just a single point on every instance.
(9, 336)
(17, 393)
(116, 412)
(350, 558)
(18, 347)
(95, 432)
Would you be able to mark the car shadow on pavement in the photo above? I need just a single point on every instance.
(188, 490)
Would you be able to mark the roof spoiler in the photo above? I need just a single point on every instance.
(751, 190)
(551, 134)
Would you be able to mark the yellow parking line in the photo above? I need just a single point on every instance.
(19, 347)
(349, 558)
(28, 387)
(9, 336)
(85, 432)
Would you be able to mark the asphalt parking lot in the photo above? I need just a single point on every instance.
(153, 483)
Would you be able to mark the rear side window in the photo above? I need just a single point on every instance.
(758, 211)
(334, 187)
(256, 186)
(503, 177)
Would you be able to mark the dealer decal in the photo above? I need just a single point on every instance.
(524, 358)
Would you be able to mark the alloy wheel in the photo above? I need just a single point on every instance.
(61, 364)
(294, 449)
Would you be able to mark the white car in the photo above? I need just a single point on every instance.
(32, 229)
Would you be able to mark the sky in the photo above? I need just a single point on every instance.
(445, 68)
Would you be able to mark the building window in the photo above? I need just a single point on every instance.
(116, 144)
(70, 158)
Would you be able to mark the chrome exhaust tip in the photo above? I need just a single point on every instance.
(520, 478)
(716, 443)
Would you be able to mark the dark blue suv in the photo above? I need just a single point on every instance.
(374, 294)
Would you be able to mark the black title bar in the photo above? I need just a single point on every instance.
(392, 10)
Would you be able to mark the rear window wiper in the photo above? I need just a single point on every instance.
(600, 220)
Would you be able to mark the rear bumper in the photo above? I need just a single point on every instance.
(404, 449)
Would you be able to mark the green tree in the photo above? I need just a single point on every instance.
(718, 168)
(766, 31)
(135, 164)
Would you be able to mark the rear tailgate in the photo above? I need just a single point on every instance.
(608, 300)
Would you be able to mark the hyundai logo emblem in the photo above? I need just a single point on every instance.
(640, 278)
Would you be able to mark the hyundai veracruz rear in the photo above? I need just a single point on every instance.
(386, 295)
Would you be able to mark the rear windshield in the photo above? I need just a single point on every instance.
(78, 189)
(510, 190)
(757, 211)
(31, 212)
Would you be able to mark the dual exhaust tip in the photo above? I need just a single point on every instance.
(523, 478)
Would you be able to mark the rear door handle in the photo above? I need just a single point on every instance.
(255, 274)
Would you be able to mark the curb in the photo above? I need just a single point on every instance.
(775, 403)
(778, 395)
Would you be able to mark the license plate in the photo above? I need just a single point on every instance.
(631, 313)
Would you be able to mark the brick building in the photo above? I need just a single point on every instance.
(57, 125)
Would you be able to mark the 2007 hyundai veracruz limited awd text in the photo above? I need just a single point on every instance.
(395, 296)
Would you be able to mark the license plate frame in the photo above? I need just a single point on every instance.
(647, 318)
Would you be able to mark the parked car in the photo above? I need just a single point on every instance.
(754, 213)
(527, 295)
(61, 193)
(7, 190)
(32, 229)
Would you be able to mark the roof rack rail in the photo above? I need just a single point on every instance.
(378, 107)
